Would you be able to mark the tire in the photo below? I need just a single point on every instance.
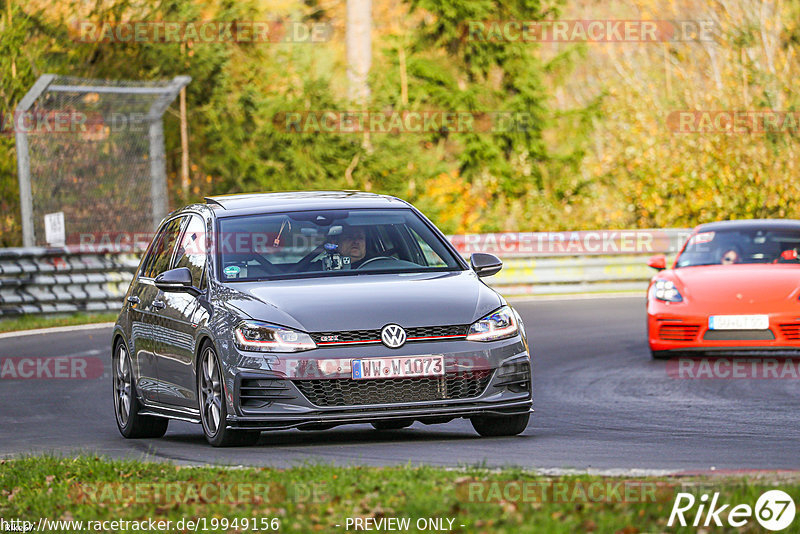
(500, 425)
(126, 403)
(213, 407)
(661, 354)
(392, 424)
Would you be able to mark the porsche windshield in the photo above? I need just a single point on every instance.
(328, 242)
(729, 247)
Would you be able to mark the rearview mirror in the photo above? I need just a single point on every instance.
(658, 262)
(485, 264)
(176, 281)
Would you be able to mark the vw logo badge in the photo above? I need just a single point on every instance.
(393, 336)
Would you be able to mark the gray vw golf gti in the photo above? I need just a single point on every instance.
(311, 310)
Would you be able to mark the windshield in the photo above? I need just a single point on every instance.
(329, 242)
(729, 247)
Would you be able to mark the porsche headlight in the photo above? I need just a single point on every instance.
(499, 324)
(263, 337)
(665, 290)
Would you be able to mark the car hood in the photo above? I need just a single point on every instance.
(748, 283)
(363, 302)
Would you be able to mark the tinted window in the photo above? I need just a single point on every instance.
(323, 243)
(191, 251)
(161, 251)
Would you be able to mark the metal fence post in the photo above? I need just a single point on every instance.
(158, 164)
(23, 158)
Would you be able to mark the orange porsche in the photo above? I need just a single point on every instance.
(735, 286)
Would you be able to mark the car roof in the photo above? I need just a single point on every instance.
(231, 205)
(751, 224)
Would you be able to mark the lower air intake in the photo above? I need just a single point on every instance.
(348, 392)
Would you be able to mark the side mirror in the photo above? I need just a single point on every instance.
(485, 264)
(658, 262)
(176, 281)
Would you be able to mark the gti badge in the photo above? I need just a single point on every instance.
(393, 336)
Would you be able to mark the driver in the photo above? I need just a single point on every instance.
(353, 243)
(730, 256)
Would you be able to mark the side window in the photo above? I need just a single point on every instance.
(385, 241)
(192, 250)
(431, 257)
(148, 260)
(161, 253)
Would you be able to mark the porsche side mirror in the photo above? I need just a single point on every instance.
(485, 264)
(176, 281)
(658, 262)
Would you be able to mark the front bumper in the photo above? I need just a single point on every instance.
(425, 414)
(689, 332)
(276, 394)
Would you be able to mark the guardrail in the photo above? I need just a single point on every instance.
(61, 280)
(546, 263)
(68, 279)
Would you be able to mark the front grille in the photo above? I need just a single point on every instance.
(791, 331)
(348, 392)
(417, 333)
(738, 335)
(261, 392)
(678, 332)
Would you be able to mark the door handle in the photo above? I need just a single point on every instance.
(133, 299)
(158, 305)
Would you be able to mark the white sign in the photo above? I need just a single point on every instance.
(54, 232)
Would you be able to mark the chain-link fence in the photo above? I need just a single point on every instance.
(92, 150)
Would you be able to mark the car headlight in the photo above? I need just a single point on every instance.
(499, 324)
(666, 291)
(263, 337)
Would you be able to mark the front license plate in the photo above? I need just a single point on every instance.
(408, 367)
(738, 322)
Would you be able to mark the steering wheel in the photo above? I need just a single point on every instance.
(375, 259)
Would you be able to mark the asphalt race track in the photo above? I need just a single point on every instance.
(600, 403)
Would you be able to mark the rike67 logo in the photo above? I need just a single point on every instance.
(774, 510)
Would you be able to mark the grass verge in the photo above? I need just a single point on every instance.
(323, 498)
(30, 322)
